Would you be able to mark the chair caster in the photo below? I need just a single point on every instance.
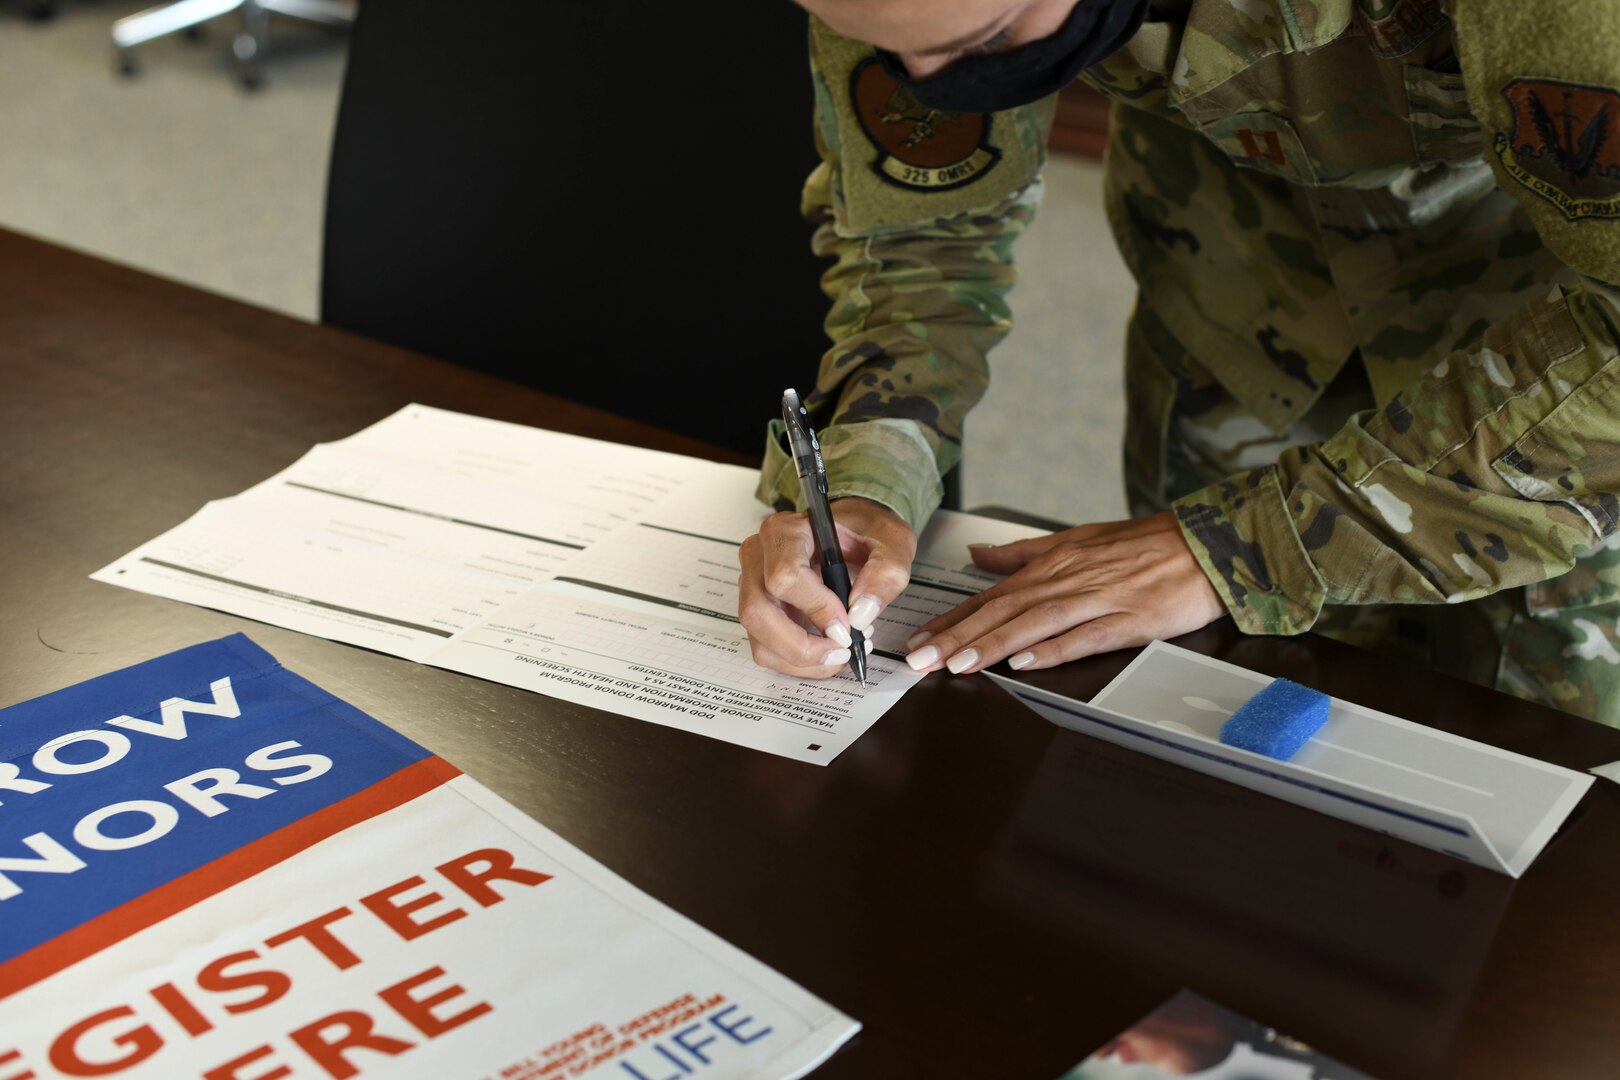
(246, 50)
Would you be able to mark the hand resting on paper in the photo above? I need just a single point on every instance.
(1085, 590)
(781, 589)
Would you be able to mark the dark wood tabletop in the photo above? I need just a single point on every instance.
(988, 894)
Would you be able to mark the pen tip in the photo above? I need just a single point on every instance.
(863, 682)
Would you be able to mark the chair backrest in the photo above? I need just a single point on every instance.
(594, 197)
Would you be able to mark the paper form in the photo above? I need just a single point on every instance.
(377, 553)
(588, 571)
(644, 623)
(689, 673)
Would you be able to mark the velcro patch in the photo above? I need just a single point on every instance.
(918, 147)
(1565, 145)
(900, 163)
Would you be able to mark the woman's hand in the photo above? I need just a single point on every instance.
(781, 589)
(1090, 589)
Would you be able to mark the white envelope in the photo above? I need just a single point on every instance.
(1474, 802)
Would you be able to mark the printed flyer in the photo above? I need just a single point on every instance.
(1190, 1035)
(210, 867)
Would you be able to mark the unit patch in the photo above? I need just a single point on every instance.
(1397, 27)
(1565, 145)
(919, 148)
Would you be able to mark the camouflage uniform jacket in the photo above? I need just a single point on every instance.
(1430, 189)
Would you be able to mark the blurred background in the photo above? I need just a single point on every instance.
(180, 169)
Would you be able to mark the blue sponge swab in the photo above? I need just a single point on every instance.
(1278, 720)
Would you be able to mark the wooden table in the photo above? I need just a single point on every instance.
(988, 894)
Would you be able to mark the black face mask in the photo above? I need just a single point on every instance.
(997, 81)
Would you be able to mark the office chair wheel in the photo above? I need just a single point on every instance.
(246, 49)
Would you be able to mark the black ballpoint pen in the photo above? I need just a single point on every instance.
(813, 482)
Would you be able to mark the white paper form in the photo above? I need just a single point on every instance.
(520, 459)
(644, 623)
(404, 534)
(598, 573)
(1476, 802)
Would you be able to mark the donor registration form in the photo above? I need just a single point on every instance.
(589, 571)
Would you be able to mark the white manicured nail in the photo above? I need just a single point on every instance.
(868, 646)
(838, 633)
(916, 640)
(1022, 660)
(863, 612)
(837, 656)
(927, 656)
(973, 546)
(962, 661)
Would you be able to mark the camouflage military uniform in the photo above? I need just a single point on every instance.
(1373, 358)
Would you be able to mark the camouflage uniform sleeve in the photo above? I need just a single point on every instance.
(1501, 464)
(1492, 470)
(918, 211)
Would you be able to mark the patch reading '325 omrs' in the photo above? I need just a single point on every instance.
(919, 148)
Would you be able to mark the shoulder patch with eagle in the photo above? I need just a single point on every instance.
(919, 148)
(1565, 145)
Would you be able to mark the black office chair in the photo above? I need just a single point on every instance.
(598, 199)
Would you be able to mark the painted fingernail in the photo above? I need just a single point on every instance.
(962, 661)
(927, 656)
(972, 547)
(916, 640)
(863, 612)
(1022, 660)
(868, 646)
(838, 632)
(837, 656)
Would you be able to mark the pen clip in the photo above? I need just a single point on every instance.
(802, 441)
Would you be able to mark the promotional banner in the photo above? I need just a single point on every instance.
(210, 867)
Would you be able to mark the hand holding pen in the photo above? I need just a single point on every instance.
(782, 588)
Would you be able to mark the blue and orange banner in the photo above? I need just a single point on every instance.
(211, 867)
(128, 797)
